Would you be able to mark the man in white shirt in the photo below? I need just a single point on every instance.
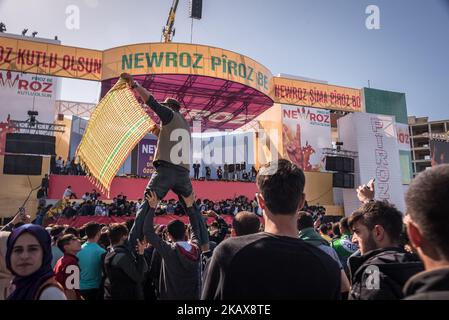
(86, 196)
(68, 193)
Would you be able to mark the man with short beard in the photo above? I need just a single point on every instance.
(383, 267)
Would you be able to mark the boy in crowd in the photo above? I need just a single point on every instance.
(67, 270)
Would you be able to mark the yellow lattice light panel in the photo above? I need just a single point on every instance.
(117, 124)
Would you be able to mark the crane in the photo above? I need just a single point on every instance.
(168, 32)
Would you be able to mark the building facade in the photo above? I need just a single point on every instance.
(421, 129)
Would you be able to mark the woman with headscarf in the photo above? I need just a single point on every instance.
(28, 257)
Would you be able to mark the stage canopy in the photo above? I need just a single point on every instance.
(217, 103)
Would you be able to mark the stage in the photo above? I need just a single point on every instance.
(133, 188)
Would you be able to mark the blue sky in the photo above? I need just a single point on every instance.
(320, 39)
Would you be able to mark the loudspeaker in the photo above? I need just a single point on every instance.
(22, 164)
(195, 9)
(340, 164)
(348, 165)
(30, 143)
(343, 180)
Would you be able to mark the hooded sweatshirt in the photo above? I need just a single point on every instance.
(381, 274)
(180, 269)
(125, 273)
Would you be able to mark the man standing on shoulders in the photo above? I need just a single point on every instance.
(172, 168)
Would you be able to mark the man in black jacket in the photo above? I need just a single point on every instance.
(428, 231)
(383, 267)
(125, 265)
(292, 268)
(124, 269)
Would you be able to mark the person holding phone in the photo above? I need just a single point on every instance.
(19, 219)
(366, 192)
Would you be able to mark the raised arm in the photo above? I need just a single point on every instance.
(223, 226)
(199, 232)
(137, 228)
(155, 240)
(164, 113)
(366, 192)
(135, 269)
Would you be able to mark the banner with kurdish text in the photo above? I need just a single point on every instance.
(21, 92)
(374, 137)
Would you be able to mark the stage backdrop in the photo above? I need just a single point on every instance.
(214, 149)
(374, 137)
(305, 131)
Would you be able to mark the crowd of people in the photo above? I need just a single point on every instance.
(227, 172)
(67, 167)
(92, 205)
(373, 254)
(376, 253)
(222, 173)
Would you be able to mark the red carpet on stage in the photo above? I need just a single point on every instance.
(133, 188)
(81, 221)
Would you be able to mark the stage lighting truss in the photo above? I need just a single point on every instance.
(36, 127)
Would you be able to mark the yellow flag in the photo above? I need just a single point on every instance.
(116, 126)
